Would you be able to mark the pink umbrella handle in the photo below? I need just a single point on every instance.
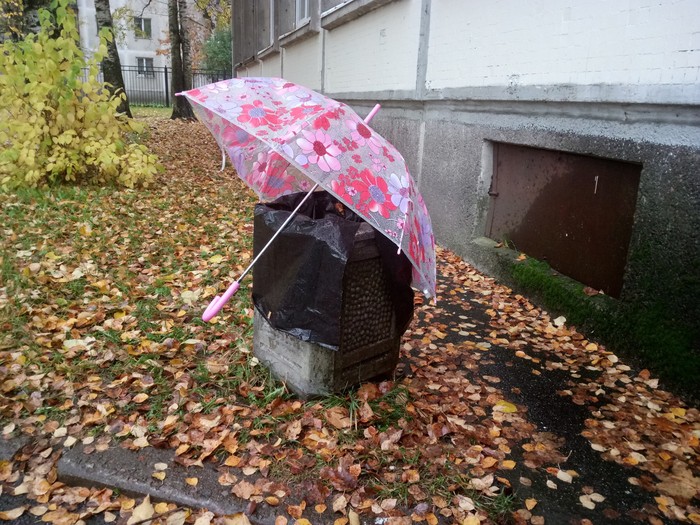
(372, 113)
(219, 301)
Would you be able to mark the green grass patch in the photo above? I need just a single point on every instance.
(645, 334)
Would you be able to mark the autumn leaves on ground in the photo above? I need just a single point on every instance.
(101, 291)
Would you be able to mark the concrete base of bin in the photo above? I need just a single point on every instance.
(312, 370)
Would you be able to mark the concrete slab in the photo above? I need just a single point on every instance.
(131, 473)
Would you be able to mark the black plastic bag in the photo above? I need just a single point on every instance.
(298, 281)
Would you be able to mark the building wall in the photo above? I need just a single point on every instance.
(129, 46)
(619, 80)
(302, 62)
(637, 51)
(381, 52)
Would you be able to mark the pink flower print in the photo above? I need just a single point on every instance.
(399, 189)
(373, 193)
(318, 148)
(256, 114)
(236, 137)
(357, 159)
(349, 144)
(279, 181)
(341, 191)
(377, 164)
(361, 134)
(198, 94)
(302, 111)
(388, 155)
(322, 122)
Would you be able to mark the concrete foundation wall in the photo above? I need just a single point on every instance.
(448, 149)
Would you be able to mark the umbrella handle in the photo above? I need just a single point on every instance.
(219, 301)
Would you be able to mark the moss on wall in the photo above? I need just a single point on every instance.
(643, 333)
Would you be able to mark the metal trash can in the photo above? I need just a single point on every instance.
(367, 300)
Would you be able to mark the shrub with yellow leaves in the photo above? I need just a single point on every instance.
(58, 122)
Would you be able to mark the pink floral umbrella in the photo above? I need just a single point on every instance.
(284, 138)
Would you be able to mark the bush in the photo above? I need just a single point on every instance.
(58, 122)
(218, 54)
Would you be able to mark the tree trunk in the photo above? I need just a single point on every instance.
(181, 108)
(111, 65)
(185, 40)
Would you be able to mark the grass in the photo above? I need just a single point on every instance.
(644, 334)
(151, 111)
(128, 291)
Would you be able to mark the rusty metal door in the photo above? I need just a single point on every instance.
(573, 211)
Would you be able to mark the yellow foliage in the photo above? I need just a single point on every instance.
(58, 122)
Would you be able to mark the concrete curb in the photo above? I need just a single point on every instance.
(130, 472)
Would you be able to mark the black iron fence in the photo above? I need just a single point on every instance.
(151, 86)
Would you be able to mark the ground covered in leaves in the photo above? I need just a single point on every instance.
(100, 297)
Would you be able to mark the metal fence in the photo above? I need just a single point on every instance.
(151, 86)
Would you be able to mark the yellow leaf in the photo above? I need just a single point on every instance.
(216, 259)
(508, 464)
(505, 406)
(302, 521)
(678, 412)
(159, 475)
(140, 398)
(161, 507)
(192, 481)
(13, 514)
(530, 503)
(142, 512)
(471, 520)
(236, 519)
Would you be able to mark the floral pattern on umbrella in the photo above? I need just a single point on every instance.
(282, 138)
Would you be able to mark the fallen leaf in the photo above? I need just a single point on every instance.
(144, 511)
(192, 482)
(236, 519)
(530, 503)
(12, 514)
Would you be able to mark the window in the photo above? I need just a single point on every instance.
(303, 14)
(145, 67)
(142, 27)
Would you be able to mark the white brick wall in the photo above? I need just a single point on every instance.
(272, 66)
(378, 51)
(550, 42)
(302, 62)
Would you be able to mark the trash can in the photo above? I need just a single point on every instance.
(332, 297)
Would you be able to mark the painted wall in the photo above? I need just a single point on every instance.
(129, 46)
(302, 62)
(637, 51)
(380, 53)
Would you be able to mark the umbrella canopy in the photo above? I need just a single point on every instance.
(283, 138)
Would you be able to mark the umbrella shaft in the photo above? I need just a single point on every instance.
(279, 230)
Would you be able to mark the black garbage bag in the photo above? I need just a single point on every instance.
(298, 281)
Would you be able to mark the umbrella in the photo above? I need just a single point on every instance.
(284, 138)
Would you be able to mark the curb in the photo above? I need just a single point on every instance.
(129, 472)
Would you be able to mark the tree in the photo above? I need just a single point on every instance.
(111, 65)
(179, 58)
(218, 53)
